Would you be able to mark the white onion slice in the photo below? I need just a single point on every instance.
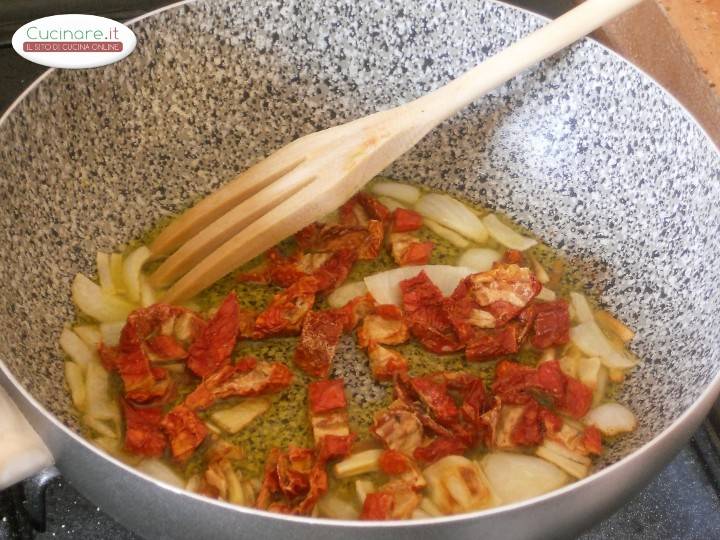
(159, 471)
(452, 214)
(148, 296)
(116, 271)
(333, 507)
(97, 390)
(572, 463)
(591, 341)
(448, 234)
(102, 261)
(110, 332)
(90, 334)
(391, 204)
(402, 192)
(516, 477)
(343, 294)
(479, 259)
(90, 299)
(611, 419)
(76, 348)
(76, 382)
(546, 295)
(131, 271)
(385, 286)
(581, 308)
(505, 235)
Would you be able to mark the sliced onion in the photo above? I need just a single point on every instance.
(516, 477)
(363, 487)
(479, 259)
(235, 418)
(148, 296)
(600, 386)
(591, 341)
(76, 382)
(385, 286)
(110, 332)
(572, 463)
(402, 192)
(332, 506)
(101, 427)
(131, 272)
(505, 235)
(610, 324)
(102, 261)
(116, 271)
(391, 204)
(581, 308)
(97, 389)
(158, 470)
(588, 370)
(76, 348)
(539, 269)
(359, 463)
(546, 295)
(452, 214)
(90, 334)
(90, 299)
(611, 419)
(343, 294)
(448, 234)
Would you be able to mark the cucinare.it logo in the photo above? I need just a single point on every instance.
(74, 41)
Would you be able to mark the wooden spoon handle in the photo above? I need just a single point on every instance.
(554, 36)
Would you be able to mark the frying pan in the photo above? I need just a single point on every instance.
(584, 149)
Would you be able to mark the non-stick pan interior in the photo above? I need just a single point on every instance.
(585, 150)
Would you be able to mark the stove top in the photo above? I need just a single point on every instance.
(682, 502)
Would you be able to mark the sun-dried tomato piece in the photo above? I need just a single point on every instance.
(185, 430)
(335, 446)
(512, 381)
(577, 399)
(212, 348)
(513, 256)
(529, 430)
(335, 270)
(552, 324)
(356, 310)
(474, 402)
(370, 248)
(592, 440)
(503, 291)
(408, 250)
(424, 313)
(247, 378)
(327, 395)
(166, 347)
(386, 363)
(143, 435)
(550, 378)
(377, 506)
(320, 335)
(393, 462)
(433, 392)
(384, 326)
(285, 314)
(490, 343)
(293, 481)
(374, 208)
(439, 448)
(404, 220)
(293, 470)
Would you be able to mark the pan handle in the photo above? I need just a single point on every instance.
(22, 451)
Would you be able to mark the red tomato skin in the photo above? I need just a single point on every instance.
(404, 220)
(326, 395)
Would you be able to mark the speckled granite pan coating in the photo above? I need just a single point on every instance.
(585, 150)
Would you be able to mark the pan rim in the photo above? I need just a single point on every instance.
(713, 388)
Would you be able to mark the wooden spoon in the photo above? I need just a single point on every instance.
(314, 175)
